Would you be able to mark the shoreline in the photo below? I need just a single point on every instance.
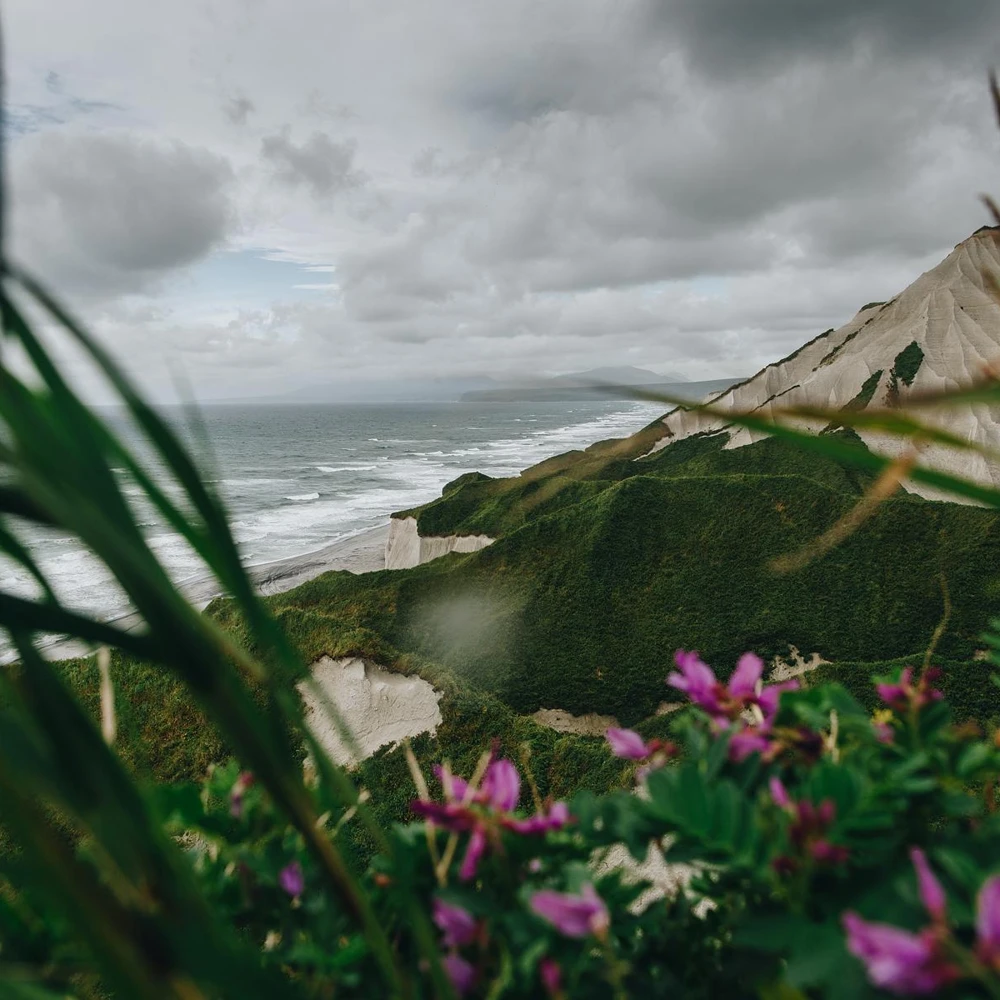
(362, 552)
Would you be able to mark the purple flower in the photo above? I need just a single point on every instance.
(771, 695)
(455, 788)
(551, 975)
(898, 961)
(931, 893)
(883, 732)
(698, 681)
(904, 695)
(461, 973)
(474, 852)
(828, 854)
(779, 793)
(751, 740)
(485, 812)
(573, 915)
(743, 683)
(557, 817)
(988, 923)
(290, 879)
(725, 702)
(807, 830)
(502, 786)
(457, 926)
(628, 744)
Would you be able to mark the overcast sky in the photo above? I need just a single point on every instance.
(268, 194)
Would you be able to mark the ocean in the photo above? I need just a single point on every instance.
(297, 478)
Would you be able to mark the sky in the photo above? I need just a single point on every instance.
(262, 196)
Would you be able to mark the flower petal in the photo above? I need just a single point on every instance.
(931, 893)
(743, 682)
(897, 960)
(627, 744)
(988, 920)
(461, 973)
(771, 695)
(475, 850)
(457, 926)
(573, 915)
(779, 793)
(502, 786)
(291, 880)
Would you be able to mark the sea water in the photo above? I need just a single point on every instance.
(297, 478)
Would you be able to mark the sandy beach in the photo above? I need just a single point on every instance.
(360, 553)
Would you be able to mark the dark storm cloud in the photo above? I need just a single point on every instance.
(731, 37)
(319, 164)
(109, 213)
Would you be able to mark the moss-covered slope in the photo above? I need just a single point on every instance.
(582, 607)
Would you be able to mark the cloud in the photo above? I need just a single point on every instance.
(702, 183)
(106, 214)
(319, 164)
(238, 109)
(727, 38)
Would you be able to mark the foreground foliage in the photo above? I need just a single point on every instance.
(815, 850)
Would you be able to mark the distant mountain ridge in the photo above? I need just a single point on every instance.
(555, 390)
(599, 383)
(941, 332)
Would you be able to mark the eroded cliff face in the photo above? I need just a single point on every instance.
(379, 706)
(406, 548)
(940, 333)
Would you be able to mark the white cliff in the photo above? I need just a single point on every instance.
(952, 315)
(379, 706)
(405, 547)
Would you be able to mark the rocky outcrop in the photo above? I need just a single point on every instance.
(379, 707)
(562, 721)
(406, 547)
(940, 333)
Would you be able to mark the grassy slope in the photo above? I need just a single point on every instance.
(604, 567)
(581, 609)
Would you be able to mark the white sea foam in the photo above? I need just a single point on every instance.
(277, 485)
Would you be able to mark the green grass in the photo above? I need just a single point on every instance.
(581, 609)
(907, 363)
(866, 392)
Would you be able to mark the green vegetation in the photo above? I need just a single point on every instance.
(580, 606)
(591, 586)
(867, 391)
(907, 363)
(965, 683)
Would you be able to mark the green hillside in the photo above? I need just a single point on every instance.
(594, 582)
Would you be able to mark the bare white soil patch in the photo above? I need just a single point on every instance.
(784, 668)
(562, 721)
(379, 706)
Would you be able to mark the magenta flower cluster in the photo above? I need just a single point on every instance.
(629, 745)
(485, 812)
(910, 963)
(904, 695)
(576, 915)
(458, 928)
(808, 830)
(727, 704)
